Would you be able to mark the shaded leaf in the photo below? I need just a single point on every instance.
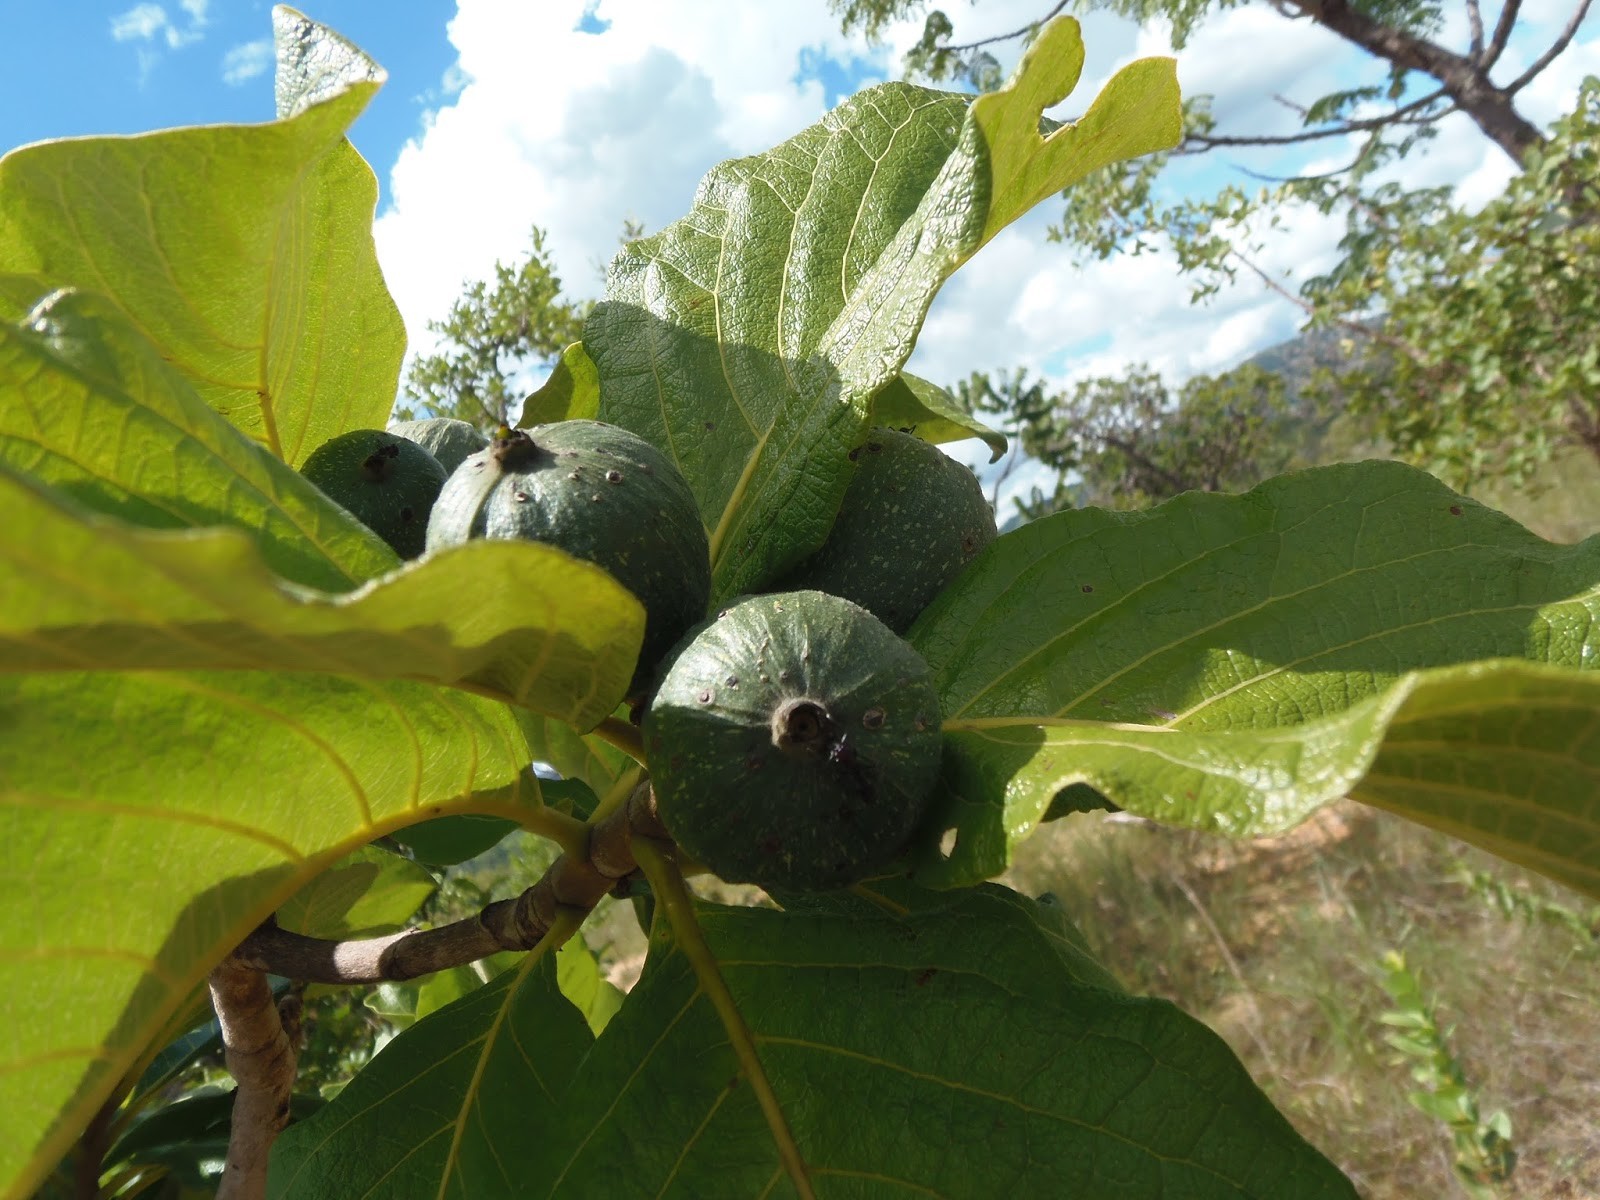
(1234, 662)
(369, 892)
(578, 756)
(932, 413)
(445, 841)
(748, 339)
(460, 1098)
(261, 286)
(952, 1052)
(571, 393)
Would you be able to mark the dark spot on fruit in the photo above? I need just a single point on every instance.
(1088, 587)
(575, 475)
(596, 498)
(874, 447)
(969, 543)
(732, 681)
(784, 677)
(391, 450)
(613, 476)
(520, 497)
(921, 724)
(855, 454)
(754, 763)
(873, 718)
(924, 976)
(1455, 510)
(710, 425)
(407, 513)
(770, 845)
(705, 696)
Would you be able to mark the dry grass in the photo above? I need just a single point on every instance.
(1276, 946)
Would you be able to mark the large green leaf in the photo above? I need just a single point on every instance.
(749, 339)
(87, 407)
(450, 1107)
(244, 252)
(148, 822)
(912, 402)
(368, 892)
(952, 1052)
(1234, 662)
(90, 406)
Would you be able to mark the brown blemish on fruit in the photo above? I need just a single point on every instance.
(613, 476)
(873, 718)
(706, 696)
(1088, 587)
(1455, 510)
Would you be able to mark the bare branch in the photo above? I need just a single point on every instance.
(1549, 56)
(571, 884)
(1406, 114)
(1501, 36)
(1475, 23)
(1006, 37)
(261, 1057)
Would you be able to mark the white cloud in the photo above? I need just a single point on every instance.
(246, 61)
(140, 23)
(149, 22)
(624, 123)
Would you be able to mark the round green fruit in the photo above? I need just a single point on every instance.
(911, 521)
(602, 494)
(794, 742)
(447, 439)
(385, 481)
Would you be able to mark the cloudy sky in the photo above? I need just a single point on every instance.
(579, 114)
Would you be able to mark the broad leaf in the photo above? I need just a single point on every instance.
(748, 339)
(244, 252)
(314, 63)
(203, 801)
(1234, 662)
(909, 402)
(459, 1098)
(578, 756)
(89, 405)
(369, 892)
(954, 1052)
(571, 393)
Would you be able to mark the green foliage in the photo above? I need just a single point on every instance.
(493, 332)
(217, 692)
(1483, 1153)
(1488, 314)
(1128, 442)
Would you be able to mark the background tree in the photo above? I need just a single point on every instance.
(1474, 369)
(494, 333)
(1128, 441)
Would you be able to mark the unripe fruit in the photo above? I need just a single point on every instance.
(447, 439)
(794, 742)
(385, 481)
(911, 520)
(602, 494)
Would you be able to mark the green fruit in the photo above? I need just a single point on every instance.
(794, 742)
(602, 494)
(385, 481)
(447, 439)
(911, 521)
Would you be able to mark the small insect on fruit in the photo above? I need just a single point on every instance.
(387, 482)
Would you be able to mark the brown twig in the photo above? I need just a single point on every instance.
(571, 883)
(261, 1055)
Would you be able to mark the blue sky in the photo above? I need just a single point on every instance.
(91, 67)
(576, 115)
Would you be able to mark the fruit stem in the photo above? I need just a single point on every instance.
(625, 737)
(571, 834)
(657, 861)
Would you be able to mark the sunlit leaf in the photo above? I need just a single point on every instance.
(748, 339)
(244, 252)
(1234, 662)
(369, 892)
(203, 801)
(908, 402)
